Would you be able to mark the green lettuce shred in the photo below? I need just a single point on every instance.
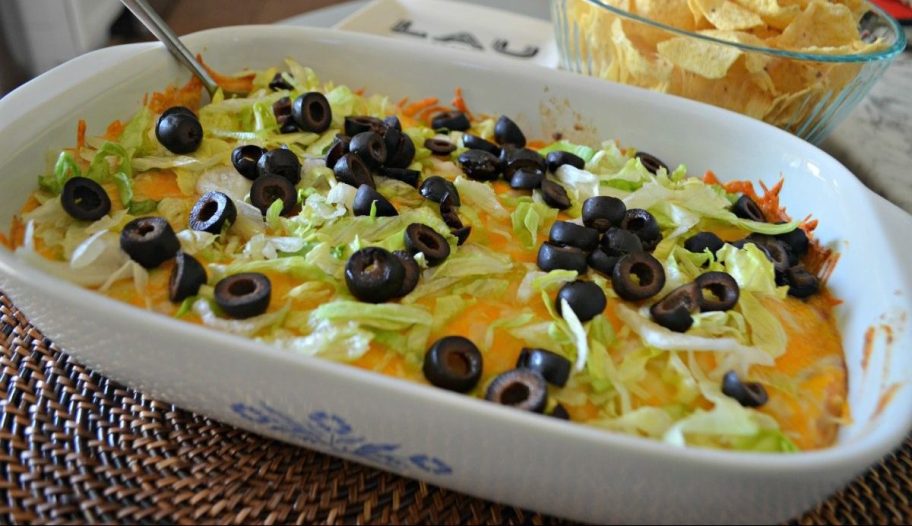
(529, 218)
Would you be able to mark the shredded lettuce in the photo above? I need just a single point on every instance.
(751, 269)
(446, 308)
(580, 150)
(247, 327)
(383, 316)
(579, 335)
(480, 196)
(659, 337)
(529, 218)
(334, 341)
(506, 323)
(766, 331)
(473, 260)
(64, 168)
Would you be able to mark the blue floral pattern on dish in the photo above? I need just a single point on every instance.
(333, 432)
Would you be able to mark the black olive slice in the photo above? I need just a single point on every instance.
(211, 212)
(412, 272)
(601, 262)
(603, 212)
(366, 197)
(560, 412)
(391, 139)
(555, 195)
(337, 149)
(439, 146)
(797, 241)
(244, 295)
(266, 189)
(453, 363)
(507, 132)
(403, 154)
(312, 112)
(369, 147)
(520, 388)
(651, 163)
(448, 212)
(374, 275)
(571, 234)
(84, 199)
(149, 241)
(435, 188)
(637, 276)
(186, 277)
(585, 298)
(527, 179)
(702, 241)
(451, 120)
(245, 159)
(776, 251)
(748, 394)
(282, 111)
(675, 310)
(409, 177)
(479, 165)
(801, 283)
(718, 291)
(392, 123)
(278, 82)
(513, 159)
(554, 257)
(288, 126)
(557, 159)
(361, 123)
(617, 242)
(474, 142)
(554, 368)
(179, 131)
(350, 169)
(462, 234)
(746, 208)
(178, 109)
(644, 225)
(282, 162)
(422, 238)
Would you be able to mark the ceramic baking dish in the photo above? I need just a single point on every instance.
(447, 439)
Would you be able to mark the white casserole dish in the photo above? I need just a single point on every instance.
(447, 439)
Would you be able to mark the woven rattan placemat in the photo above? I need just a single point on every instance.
(76, 448)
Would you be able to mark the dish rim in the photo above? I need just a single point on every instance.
(862, 450)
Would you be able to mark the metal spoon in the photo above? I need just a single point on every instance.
(165, 34)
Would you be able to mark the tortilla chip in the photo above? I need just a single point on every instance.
(736, 91)
(674, 13)
(822, 24)
(724, 14)
(754, 62)
(635, 68)
(778, 16)
(707, 59)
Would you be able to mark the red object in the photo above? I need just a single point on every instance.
(896, 9)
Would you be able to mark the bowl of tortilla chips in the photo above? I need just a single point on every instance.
(801, 65)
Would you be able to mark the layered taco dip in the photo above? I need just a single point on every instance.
(587, 282)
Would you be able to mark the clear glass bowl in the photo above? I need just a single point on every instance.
(807, 94)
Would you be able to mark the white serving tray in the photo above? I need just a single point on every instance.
(440, 437)
(460, 25)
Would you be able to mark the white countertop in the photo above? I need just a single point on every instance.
(874, 142)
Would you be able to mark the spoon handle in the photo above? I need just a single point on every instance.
(163, 32)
